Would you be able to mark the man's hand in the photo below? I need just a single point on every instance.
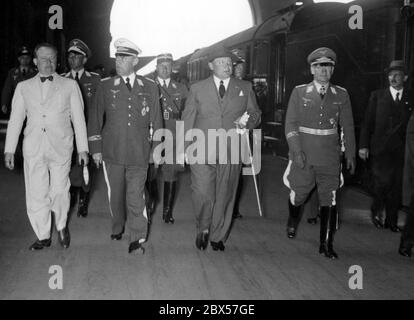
(83, 156)
(97, 158)
(350, 165)
(9, 160)
(4, 108)
(157, 158)
(241, 123)
(363, 153)
(299, 159)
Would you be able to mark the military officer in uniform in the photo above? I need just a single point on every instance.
(78, 55)
(130, 104)
(382, 141)
(24, 71)
(315, 114)
(217, 103)
(172, 99)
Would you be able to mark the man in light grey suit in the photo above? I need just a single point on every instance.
(51, 104)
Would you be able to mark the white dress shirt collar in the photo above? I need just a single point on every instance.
(394, 92)
(80, 73)
(131, 79)
(161, 81)
(225, 82)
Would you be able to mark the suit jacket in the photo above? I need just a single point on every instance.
(408, 185)
(385, 123)
(205, 109)
(50, 118)
(307, 109)
(124, 138)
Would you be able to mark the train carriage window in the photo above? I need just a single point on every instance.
(261, 58)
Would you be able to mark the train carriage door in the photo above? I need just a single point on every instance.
(273, 111)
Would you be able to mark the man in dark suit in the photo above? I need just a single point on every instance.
(214, 104)
(78, 55)
(24, 71)
(172, 100)
(407, 236)
(382, 141)
(130, 104)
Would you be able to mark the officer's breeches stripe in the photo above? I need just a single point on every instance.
(108, 186)
(287, 183)
(318, 132)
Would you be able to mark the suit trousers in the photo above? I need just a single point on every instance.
(125, 186)
(407, 236)
(47, 185)
(302, 181)
(387, 174)
(214, 190)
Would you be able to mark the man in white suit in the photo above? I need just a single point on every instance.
(50, 103)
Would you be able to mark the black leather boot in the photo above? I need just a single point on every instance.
(169, 194)
(153, 195)
(83, 203)
(295, 213)
(329, 218)
(73, 195)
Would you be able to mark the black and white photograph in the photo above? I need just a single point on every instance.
(207, 156)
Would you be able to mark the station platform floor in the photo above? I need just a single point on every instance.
(259, 261)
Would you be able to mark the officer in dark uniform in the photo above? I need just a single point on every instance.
(172, 100)
(130, 104)
(78, 55)
(315, 113)
(382, 141)
(24, 71)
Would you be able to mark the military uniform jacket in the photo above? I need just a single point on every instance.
(205, 109)
(124, 138)
(88, 83)
(385, 123)
(172, 101)
(309, 118)
(14, 76)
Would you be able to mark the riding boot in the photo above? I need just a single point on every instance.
(153, 195)
(329, 220)
(83, 203)
(169, 194)
(295, 213)
(73, 195)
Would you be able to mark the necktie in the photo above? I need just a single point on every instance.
(397, 97)
(77, 76)
(164, 84)
(43, 79)
(322, 91)
(24, 72)
(128, 84)
(222, 90)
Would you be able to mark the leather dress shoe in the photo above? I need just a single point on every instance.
(237, 215)
(136, 248)
(64, 237)
(202, 240)
(291, 232)
(217, 245)
(313, 221)
(83, 210)
(377, 222)
(40, 244)
(168, 218)
(395, 229)
(117, 236)
(405, 252)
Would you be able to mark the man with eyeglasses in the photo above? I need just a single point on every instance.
(52, 105)
(122, 144)
(318, 114)
(78, 55)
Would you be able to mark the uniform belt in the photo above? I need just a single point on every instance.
(318, 132)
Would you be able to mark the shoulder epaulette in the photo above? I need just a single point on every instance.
(105, 79)
(149, 79)
(94, 73)
(301, 85)
(340, 88)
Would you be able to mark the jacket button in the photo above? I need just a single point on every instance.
(129, 123)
